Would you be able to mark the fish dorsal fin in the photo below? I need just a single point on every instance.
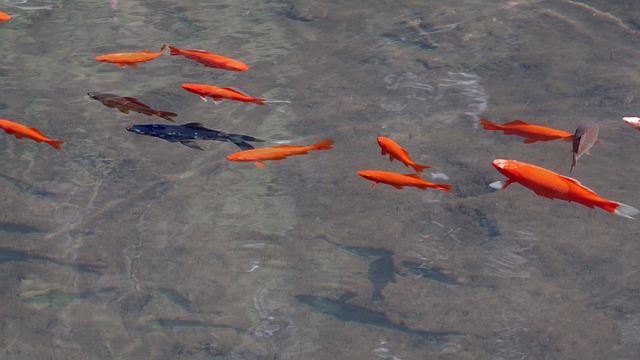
(136, 101)
(36, 131)
(516, 122)
(195, 126)
(237, 91)
(576, 182)
(404, 151)
(416, 176)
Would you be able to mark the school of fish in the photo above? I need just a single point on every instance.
(541, 181)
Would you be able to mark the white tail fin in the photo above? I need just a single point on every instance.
(272, 101)
(625, 210)
(497, 185)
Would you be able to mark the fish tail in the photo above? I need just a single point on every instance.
(271, 101)
(488, 125)
(240, 138)
(323, 145)
(418, 168)
(621, 209)
(55, 143)
(174, 50)
(166, 115)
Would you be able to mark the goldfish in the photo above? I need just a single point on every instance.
(531, 133)
(185, 134)
(218, 94)
(210, 60)
(399, 181)
(4, 16)
(131, 59)
(126, 104)
(20, 131)
(280, 152)
(394, 150)
(551, 185)
(633, 121)
(584, 138)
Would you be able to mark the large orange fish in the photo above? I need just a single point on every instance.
(131, 59)
(399, 181)
(531, 133)
(218, 94)
(551, 185)
(394, 150)
(4, 16)
(20, 131)
(280, 152)
(210, 60)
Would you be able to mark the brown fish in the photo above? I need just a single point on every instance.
(584, 138)
(126, 104)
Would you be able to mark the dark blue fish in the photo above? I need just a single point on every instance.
(186, 133)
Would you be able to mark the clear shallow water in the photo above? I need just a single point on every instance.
(121, 246)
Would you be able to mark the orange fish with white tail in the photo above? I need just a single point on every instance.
(218, 94)
(280, 152)
(399, 181)
(210, 60)
(551, 185)
(130, 59)
(531, 133)
(20, 131)
(394, 150)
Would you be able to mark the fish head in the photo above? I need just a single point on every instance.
(633, 121)
(508, 168)
(150, 130)
(369, 175)
(194, 88)
(382, 141)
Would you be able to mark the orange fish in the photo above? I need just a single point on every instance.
(532, 133)
(210, 60)
(396, 152)
(400, 180)
(280, 152)
(20, 131)
(546, 183)
(131, 59)
(4, 16)
(218, 94)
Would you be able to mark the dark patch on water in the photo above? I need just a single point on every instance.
(18, 228)
(9, 255)
(429, 273)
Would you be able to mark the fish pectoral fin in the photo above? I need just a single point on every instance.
(400, 187)
(598, 142)
(374, 185)
(203, 98)
(530, 141)
(260, 164)
(134, 65)
(217, 101)
(190, 143)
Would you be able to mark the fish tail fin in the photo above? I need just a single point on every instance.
(488, 125)
(443, 187)
(621, 209)
(240, 138)
(498, 185)
(323, 145)
(568, 138)
(174, 50)
(55, 143)
(418, 168)
(166, 115)
(164, 46)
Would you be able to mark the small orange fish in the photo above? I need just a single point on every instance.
(394, 150)
(280, 152)
(218, 94)
(20, 131)
(210, 60)
(532, 133)
(551, 185)
(399, 181)
(4, 16)
(130, 59)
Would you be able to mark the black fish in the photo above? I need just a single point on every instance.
(361, 315)
(126, 104)
(433, 273)
(185, 134)
(10, 255)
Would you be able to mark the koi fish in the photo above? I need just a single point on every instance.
(130, 59)
(218, 94)
(20, 131)
(551, 185)
(584, 138)
(126, 104)
(280, 152)
(633, 121)
(185, 134)
(531, 133)
(394, 150)
(399, 181)
(210, 60)
(4, 16)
